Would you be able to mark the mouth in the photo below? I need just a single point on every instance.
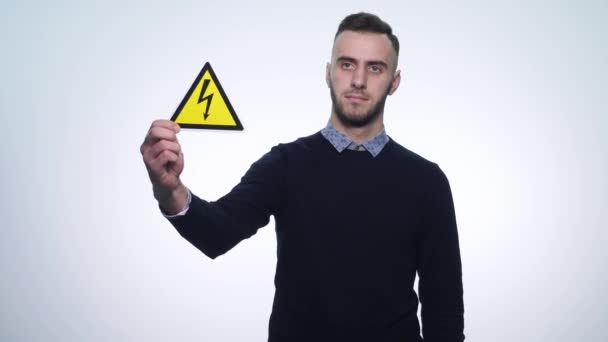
(356, 98)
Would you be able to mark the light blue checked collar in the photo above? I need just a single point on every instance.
(342, 142)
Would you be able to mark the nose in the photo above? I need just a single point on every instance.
(359, 80)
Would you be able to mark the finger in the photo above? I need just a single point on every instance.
(150, 153)
(162, 145)
(158, 164)
(157, 133)
(166, 124)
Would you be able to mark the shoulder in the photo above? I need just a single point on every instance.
(426, 169)
(309, 142)
(300, 146)
(404, 154)
(281, 152)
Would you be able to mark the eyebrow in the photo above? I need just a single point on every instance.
(350, 59)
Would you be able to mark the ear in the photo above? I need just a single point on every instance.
(395, 82)
(327, 74)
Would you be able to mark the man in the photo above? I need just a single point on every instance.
(357, 214)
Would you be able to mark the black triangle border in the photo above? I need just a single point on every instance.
(207, 67)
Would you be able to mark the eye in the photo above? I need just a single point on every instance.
(347, 65)
(375, 68)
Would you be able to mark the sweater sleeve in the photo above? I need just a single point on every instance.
(216, 227)
(439, 265)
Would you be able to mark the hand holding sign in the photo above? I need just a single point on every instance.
(164, 161)
(204, 106)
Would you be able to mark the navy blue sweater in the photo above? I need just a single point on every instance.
(352, 231)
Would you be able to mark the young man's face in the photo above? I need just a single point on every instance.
(360, 76)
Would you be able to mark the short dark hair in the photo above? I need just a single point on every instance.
(367, 22)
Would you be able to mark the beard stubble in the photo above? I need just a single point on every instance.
(357, 121)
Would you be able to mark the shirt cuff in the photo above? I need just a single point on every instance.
(183, 211)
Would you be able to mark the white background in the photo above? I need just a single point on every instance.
(508, 97)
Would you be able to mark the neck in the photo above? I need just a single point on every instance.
(359, 134)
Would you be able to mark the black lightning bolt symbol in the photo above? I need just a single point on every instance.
(207, 98)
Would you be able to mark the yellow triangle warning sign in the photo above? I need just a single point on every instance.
(206, 105)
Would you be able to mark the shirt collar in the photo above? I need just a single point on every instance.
(342, 142)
